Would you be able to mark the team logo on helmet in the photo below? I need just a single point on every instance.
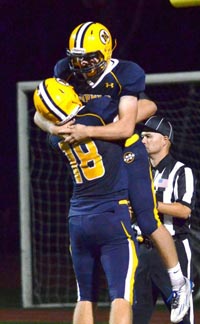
(129, 157)
(104, 36)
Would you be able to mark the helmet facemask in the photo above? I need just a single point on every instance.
(87, 66)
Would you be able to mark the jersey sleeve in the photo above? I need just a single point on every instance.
(132, 76)
(105, 107)
(61, 69)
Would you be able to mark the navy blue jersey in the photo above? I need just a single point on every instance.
(119, 79)
(122, 78)
(97, 166)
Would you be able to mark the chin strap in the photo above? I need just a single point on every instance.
(71, 116)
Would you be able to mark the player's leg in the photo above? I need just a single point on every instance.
(86, 271)
(83, 313)
(119, 261)
(165, 246)
(141, 190)
(121, 312)
(142, 199)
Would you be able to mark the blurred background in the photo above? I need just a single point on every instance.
(34, 35)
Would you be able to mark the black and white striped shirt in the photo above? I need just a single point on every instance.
(174, 182)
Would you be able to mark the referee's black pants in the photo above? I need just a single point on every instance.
(152, 281)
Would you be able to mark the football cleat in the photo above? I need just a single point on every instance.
(181, 301)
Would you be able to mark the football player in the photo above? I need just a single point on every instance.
(99, 219)
(91, 69)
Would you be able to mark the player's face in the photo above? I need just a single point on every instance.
(154, 142)
(88, 63)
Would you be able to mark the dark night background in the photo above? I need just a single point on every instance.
(34, 36)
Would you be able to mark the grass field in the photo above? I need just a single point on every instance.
(11, 312)
(63, 316)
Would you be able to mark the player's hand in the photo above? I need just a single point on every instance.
(75, 134)
(63, 127)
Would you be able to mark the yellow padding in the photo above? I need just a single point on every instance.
(184, 3)
(140, 238)
(131, 140)
(123, 202)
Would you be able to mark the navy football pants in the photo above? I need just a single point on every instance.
(107, 239)
(141, 191)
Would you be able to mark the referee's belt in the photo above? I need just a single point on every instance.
(148, 243)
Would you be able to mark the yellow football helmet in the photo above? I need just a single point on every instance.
(56, 100)
(90, 49)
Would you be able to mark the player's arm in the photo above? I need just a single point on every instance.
(123, 127)
(119, 130)
(45, 125)
(146, 109)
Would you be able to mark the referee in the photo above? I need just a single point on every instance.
(174, 185)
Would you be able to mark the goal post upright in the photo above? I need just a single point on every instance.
(172, 77)
(24, 191)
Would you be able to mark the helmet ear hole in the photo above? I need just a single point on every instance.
(92, 39)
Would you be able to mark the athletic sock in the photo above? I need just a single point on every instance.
(176, 277)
